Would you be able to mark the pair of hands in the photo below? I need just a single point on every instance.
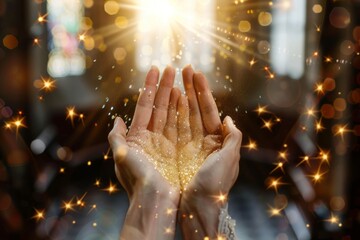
(177, 158)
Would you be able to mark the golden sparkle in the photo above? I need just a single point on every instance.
(283, 155)
(68, 206)
(270, 74)
(170, 211)
(97, 182)
(341, 130)
(252, 145)
(267, 124)
(80, 201)
(310, 112)
(316, 177)
(111, 189)
(252, 62)
(274, 211)
(16, 124)
(275, 183)
(47, 84)
(279, 165)
(168, 231)
(328, 59)
(319, 88)
(304, 159)
(324, 156)
(71, 114)
(82, 37)
(318, 125)
(333, 219)
(39, 215)
(221, 198)
(42, 18)
(261, 109)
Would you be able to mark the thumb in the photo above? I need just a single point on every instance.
(117, 138)
(232, 135)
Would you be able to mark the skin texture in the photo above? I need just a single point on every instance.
(176, 156)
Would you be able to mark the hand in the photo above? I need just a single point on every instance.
(145, 160)
(205, 193)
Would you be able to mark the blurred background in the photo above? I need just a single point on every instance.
(287, 71)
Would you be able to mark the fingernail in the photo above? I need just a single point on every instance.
(116, 121)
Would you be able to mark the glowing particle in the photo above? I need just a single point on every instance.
(97, 183)
(36, 41)
(267, 124)
(251, 145)
(341, 130)
(310, 112)
(261, 109)
(47, 84)
(252, 62)
(275, 183)
(71, 114)
(319, 88)
(328, 59)
(68, 206)
(274, 211)
(82, 37)
(42, 18)
(283, 155)
(221, 197)
(169, 211)
(111, 189)
(333, 219)
(303, 160)
(39, 215)
(316, 177)
(279, 165)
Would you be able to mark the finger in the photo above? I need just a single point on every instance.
(184, 131)
(195, 115)
(232, 137)
(170, 131)
(162, 98)
(117, 139)
(145, 103)
(209, 112)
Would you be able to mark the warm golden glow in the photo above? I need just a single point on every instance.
(251, 145)
(341, 130)
(273, 211)
(275, 183)
(283, 155)
(39, 215)
(310, 112)
(47, 84)
(42, 18)
(304, 159)
(319, 88)
(111, 189)
(316, 177)
(267, 124)
(252, 62)
(319, 126)
(68, 206)
(261, 109)
(279, 165)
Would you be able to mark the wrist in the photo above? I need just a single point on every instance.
(199, 215)
(151, 215)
